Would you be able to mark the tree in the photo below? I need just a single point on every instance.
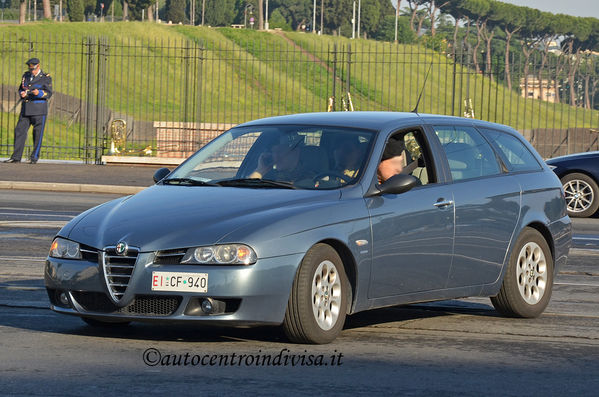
(277, 20)
(477, 10)
(75, 10)
(137, 6)
(373, 13)
(550, 32)
(336, 13)
(458, 12)
(530, 37)
(22, 11)
(433, 8)
(575, 43)
(386, 31)
(175, 11)
(512, 20)
(47, 11)
(295, 12)
(217, 12)
(415, 11)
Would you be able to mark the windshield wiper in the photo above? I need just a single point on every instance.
(256, 182)
(187, 181)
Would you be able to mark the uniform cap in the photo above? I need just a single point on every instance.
(33, 61)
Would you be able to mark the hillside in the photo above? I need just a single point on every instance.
(153, 73)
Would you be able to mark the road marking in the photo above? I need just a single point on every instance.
(581, 237)
(40, 215)
(34, 224)
(25, 209)
(23, 258)
(578, 284)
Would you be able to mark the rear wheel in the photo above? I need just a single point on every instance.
(528, 281)
(318, 301)
(582, 195)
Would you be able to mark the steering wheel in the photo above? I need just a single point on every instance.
(343, 178)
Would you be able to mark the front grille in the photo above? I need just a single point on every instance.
(153, 305)
(142, 305)
(169, 257)
(118, 270)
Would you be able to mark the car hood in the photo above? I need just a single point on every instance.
(168, 217)
(575, 156)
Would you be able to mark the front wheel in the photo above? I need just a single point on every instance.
(528, 280)
(318, 301)
(582, 195)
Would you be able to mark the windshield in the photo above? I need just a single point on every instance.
(279, 156)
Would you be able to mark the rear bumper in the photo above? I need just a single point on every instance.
(561, 230)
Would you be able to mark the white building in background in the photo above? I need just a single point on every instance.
(538, 89)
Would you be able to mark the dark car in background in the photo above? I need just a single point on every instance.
(579, 174)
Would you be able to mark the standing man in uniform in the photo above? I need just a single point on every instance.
(35, 90)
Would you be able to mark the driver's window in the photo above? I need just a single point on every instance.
(415, 159)
(405, 153)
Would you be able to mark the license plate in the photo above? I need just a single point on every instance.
(182, 282)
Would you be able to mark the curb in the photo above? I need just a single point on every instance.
(70, 187)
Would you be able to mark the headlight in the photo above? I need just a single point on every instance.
(65, 249)
(226, 254)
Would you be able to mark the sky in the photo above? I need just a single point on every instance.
(579, 8)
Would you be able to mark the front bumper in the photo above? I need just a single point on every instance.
(256, 294)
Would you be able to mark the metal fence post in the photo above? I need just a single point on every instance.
(334, 73)
(89, 49)
(100, 127)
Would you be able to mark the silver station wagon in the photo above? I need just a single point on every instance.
(301, 220)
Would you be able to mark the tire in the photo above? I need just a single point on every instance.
(582, 195)
(317, 305)
(94, 322)
(528, 280)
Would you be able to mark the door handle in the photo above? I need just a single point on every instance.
(443, 203)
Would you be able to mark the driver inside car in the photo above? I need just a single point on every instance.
(393, 160)
(282, 162)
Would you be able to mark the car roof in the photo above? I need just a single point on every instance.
(366, 120)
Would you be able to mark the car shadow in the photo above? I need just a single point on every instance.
(30, 311)
(417, 312)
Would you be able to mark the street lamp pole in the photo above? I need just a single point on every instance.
(396, 19)
(353, 22)
(266, 19)
(314, 18)
(359, 9)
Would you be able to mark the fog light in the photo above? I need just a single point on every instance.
(207, 306)
(63, 298)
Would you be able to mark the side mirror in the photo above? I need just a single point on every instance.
(398, 184)
(160, 174)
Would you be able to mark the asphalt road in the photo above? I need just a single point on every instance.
(454, 347)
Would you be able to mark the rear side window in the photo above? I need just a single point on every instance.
(514, 153)
(468, 153)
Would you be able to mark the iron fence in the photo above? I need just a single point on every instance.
(169, 96)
